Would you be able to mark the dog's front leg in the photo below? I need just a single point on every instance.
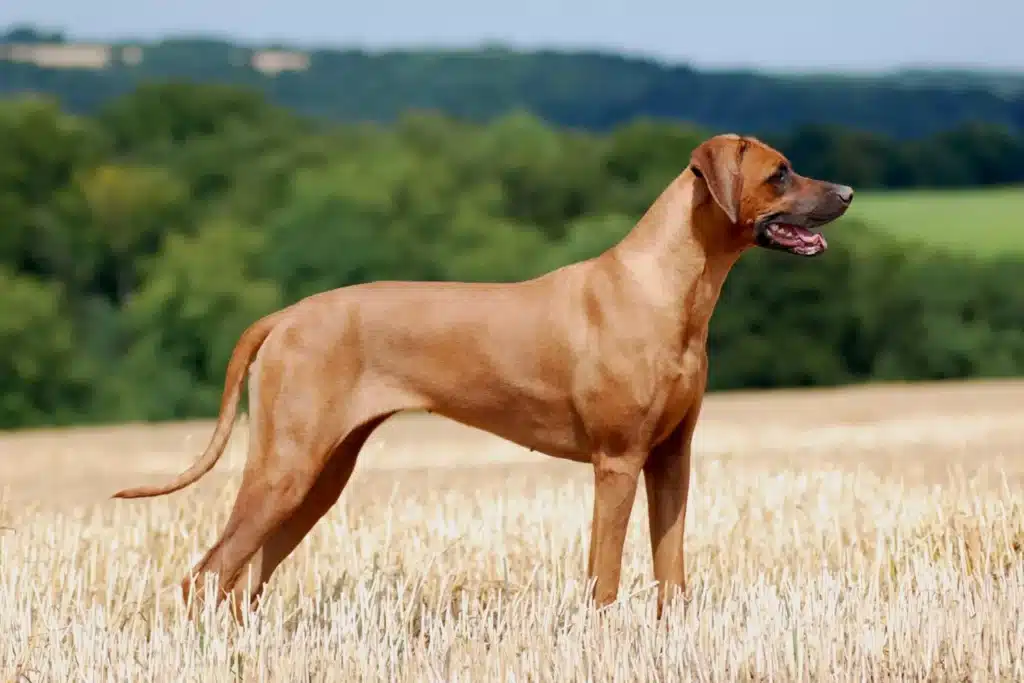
(615, 482)
(667, 478)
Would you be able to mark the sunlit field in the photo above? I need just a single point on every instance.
(978, 222)
(858, 534)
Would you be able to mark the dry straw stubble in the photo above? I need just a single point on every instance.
(801, 568)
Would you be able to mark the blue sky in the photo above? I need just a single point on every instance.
(811, 35)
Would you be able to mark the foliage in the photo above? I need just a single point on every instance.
(139, 242)
(43, 378)
(589, 90)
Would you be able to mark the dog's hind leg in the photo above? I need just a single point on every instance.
(276, 506)
(287, 535)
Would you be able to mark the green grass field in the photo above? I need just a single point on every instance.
(987, 222)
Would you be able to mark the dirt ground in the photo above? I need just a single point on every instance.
(913, 432)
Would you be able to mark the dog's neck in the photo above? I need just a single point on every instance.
(679, 253)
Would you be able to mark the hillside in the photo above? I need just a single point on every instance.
(981, 222)
(582, 89)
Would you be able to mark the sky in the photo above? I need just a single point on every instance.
(804, 35)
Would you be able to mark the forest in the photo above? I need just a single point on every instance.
(585, 90)
(140, 239)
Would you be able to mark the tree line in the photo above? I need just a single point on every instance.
(140, 240)
(590, 90)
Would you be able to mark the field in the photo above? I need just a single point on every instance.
(874, 533)
(986, 222)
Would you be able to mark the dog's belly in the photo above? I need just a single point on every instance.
(539, 426)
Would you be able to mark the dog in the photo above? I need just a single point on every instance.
(603, 361)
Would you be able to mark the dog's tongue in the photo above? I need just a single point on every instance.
(793, 236)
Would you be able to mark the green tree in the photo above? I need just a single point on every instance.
(41, 150)
(369, 218)
(167, 112)
(44, 379)
(586, 237)
(200, 293)
(547, 178)
(481, 248)
(128, 211)
(643, 157)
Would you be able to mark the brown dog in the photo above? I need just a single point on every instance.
(603, 362)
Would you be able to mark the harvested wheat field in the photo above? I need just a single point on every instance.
(858, 534)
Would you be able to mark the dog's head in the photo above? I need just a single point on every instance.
(766, 202)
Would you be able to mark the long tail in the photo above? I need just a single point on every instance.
(241, 358)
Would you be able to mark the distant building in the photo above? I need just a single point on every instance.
(70, 55)
(271, 62)
(131, 55)
(58, 55)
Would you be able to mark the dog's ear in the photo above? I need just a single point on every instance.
(717, 161)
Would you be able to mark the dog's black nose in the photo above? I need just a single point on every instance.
(845, 193)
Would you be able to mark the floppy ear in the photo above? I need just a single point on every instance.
(717, 161)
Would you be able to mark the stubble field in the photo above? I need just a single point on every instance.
(859, 534)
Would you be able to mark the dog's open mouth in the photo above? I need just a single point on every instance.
(795, 239)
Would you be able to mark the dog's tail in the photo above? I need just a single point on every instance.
(241, 358)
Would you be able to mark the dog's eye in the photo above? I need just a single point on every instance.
(781, 175)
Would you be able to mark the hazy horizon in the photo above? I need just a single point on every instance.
(869, 36)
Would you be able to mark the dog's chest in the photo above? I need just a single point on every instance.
(682, 394)
(640, 397)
